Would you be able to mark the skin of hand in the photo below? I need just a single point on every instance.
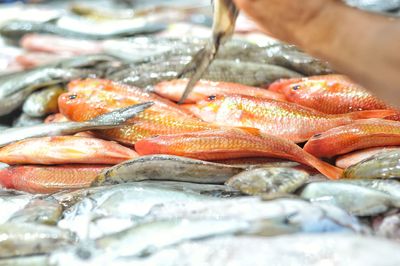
(362, 45)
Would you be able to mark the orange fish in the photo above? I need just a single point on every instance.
(56, 118)
(65, 150)
(82, 106)
(129, 93)
(331, 94)
(230, 144)
(48, 179)
(361, 134)
(174, 89)
(283, 119)
(355, 157)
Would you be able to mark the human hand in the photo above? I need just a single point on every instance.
(285, 19)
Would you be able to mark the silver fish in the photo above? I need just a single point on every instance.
(15, 89)
(225, 15)
(43, 102)
(19, 239)
(166, 167)
(357, 200)
(381, 165)
(43, 211)
(268, 180)
(12, 201)
(109, 120)
(35, 260)
(302, 249)
(387, 226)
(391, 187)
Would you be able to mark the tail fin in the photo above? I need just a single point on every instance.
(324, 168)
(371, 114)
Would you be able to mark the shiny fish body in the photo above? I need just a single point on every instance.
(360, 134)
(108, 120)
(355, 157)
(357, 200)
(382, 165)
(391, 187)
(43, 102)
(65, 150)
(283, 119)
(16, 29)
(232, 143)
(246, 73)
(14, 90)
(268, 180)
(42, 211)
(25, 120)
(11, 202)
(20, 239)
(167, 167)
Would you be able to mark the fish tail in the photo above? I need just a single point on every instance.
(371, 114)
(330, 171)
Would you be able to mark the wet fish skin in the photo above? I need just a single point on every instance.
(81, 106)
(387, 226)
(15, 89)
(43, 102)
(12, 201)
(225, 15)
(283, 119)
(390, 187)
(360, 134)
(382, 165)
(21, 239)
(268, 180)
(65, 150)
(45, 210)
(167, 167)
(173, 90)
(108, 120)
(25, 120)
(229, 144)
(355, 157)
(331, 94)
(357, 200)
(49, 179)
(16, 29)
(246, 73)
(36, 260)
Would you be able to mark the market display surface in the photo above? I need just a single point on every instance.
(129, 137)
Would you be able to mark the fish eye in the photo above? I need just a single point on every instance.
(72, 96)
(212, 97)
(296, 87)
(317, 135)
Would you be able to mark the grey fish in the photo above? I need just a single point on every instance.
(391, 187)
(42, 211)
(109, 120)
(150, 49)
(357, 200)
(25, 120)
(375, 5)
(19, 239)
(14, 90)
(387, 226)
(16, 29)
(268, 180)
(35, 260)
(43, 102)
(225, 15)
(247, 73)
(289, 250)
(167, 167)
(381, 165)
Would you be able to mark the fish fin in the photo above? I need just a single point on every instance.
(371, 114)
(251, 130)
(328, 170)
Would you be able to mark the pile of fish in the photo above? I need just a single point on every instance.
(271, 152)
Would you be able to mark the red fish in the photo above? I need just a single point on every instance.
(65, 150)
(127, 93)
(230, 144)
(331, 94)
(55, 118)
(355, 157)
(283, 119)
(174, 89)
(48, 179)
(361, 134)
(83, 105)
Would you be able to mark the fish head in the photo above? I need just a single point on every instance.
(87, 84)
(208, 108)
